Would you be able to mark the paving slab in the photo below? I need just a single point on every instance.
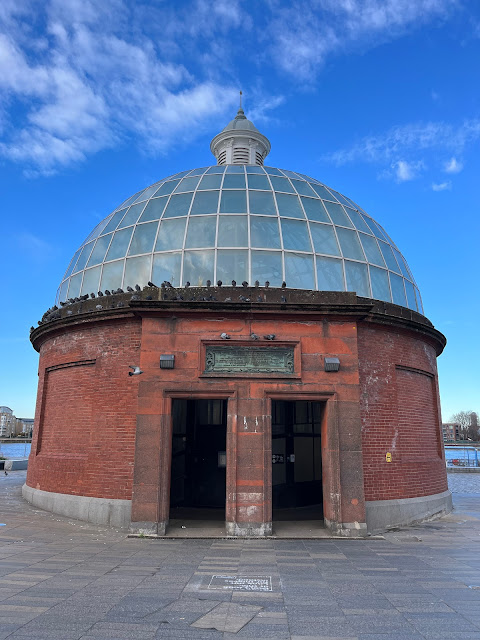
(61, 579)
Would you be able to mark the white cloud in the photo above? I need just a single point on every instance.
(305, 33)
(452, 166)
(414, 137)
(91, 79)
(406, 171)
(442, 186)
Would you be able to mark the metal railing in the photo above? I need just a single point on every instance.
(462, 456)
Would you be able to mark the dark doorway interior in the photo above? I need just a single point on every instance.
(297, 459)
(198, 458)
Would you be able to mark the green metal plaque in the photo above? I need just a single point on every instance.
(230, 359)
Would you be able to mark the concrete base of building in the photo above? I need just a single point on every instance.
(102, 511)
(148, 528)
(346, 529)
(385, 514)
(15, 465)
(249, 529)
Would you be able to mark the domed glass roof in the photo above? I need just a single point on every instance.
(242, 222)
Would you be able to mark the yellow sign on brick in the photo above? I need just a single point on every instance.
(388, 457)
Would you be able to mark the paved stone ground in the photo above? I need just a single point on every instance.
(66, 580)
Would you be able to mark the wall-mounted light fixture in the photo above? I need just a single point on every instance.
(167, 361)
(332, 364)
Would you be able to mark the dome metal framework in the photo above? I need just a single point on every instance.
(242, 222)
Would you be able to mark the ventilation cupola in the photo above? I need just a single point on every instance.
(240, 142)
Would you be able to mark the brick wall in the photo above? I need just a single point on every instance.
(400, 414)
(85, 419)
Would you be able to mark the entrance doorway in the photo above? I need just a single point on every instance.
(297, 460)
(198, 479)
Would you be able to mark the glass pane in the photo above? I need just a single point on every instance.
(290, 174)
(82, 260)
(112, 275)
(350, 244)
(401, 263)
(398, 292)
(419, 300)
(358, 221)
(357, 278)
(187, 184)
(410, 295)
(143, 238)
(114, 222)
(212, 181)
(337, 214)
(330, 274)
(72, 264)
(258, 182)
(273, 171)
(233, 202)
(62, 292)
(303, 188)
(132, 215)
(167, 188)
(264, 233)
(153, 210)
(232, 232)
(178, 205)
(170, 235)
(267, 265)
(340, 198)
(368, 222)
(98, 254)
(216, 169)
(74, 286)
(289, 206)
(389, 257)
(376, 229)
(205, 202)
(380, 287)
(371, 250)
(198, 267)
(232, 265)
(198, 172)
(322, 192)
(166, 267)
(299, 271)
(232, 181)
(262, 202)
(128, 201)
(235, 168)
(118, 247)
(295, 235)
(281, 184)
(252, 168)
(315, 210)
(145, 195)
(137, 271)
(324, 239)
(177, 175)
(201, 232)
(91, 280)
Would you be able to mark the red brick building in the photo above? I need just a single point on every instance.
(256, 400)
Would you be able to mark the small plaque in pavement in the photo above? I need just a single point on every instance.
(241, 583)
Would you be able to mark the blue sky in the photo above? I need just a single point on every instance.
(376, 98)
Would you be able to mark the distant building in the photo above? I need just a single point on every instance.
(24, 427)
(452, 432)
(11, 426)
(7, 422)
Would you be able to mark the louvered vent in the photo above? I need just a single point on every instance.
(258, 158)
(222, 157)
(241, 155)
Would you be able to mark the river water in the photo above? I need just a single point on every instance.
(15, 449)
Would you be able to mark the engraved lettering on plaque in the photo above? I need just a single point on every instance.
(249, 360)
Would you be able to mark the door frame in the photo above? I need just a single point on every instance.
(165, 467)
(331, 485)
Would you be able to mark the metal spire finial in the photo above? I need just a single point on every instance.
(240, 99)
